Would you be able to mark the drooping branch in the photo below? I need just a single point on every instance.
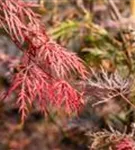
(45, 65)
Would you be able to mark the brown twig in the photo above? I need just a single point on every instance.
(125, 46)
(115, 10)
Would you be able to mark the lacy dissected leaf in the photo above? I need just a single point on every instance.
(58, 62)
(32, 84)
(66, 95)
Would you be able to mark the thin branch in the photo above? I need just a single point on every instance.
(115, 10)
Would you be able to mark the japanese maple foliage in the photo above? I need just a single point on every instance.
(45, 65)
(125, 144)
